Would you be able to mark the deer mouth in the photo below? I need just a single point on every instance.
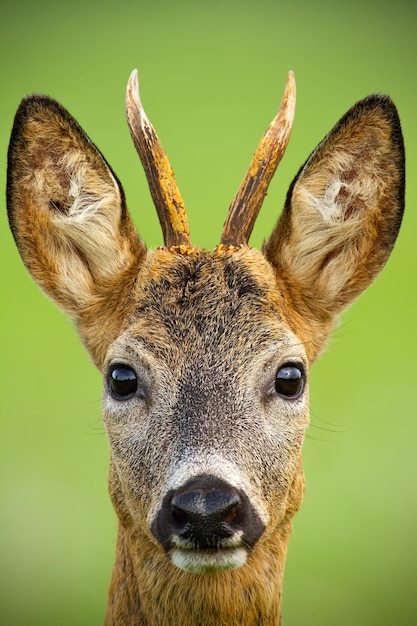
(208, 560)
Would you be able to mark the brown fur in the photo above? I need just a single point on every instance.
(206, 332)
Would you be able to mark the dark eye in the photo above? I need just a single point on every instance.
(122, 382)
(289, 381)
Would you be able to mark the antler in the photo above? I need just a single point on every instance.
(246, 204)
(164, 190)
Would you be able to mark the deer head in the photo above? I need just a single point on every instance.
(204, 354)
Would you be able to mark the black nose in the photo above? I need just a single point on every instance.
(205, 515)
(205, 512)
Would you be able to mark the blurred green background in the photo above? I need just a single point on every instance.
(212, 75)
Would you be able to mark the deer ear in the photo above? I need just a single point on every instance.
(66, 207)
(343, 211)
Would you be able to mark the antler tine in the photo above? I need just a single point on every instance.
(246, 204)
(164, 190)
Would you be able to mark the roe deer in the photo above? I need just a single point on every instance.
(204, 354)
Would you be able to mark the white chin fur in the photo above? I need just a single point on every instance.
(202, 562)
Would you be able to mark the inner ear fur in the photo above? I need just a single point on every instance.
(66, 207)
(343, 211)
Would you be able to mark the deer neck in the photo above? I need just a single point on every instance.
(147, 590)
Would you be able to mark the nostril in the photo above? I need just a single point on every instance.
(233, 514)
(179, 516)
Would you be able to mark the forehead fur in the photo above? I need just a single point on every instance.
(200, 297)
(228, 298)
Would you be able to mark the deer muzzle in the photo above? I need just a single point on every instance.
(207, 525)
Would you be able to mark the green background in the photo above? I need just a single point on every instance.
(212, 75)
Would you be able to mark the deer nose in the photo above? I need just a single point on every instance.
(207, 513)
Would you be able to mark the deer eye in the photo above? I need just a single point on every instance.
(122, 382)
(290, 380)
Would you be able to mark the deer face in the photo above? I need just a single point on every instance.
(205, 406)
(205, 354)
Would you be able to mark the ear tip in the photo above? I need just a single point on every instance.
(374, 109)
(34, 106)
(33, 102)
(380, 104)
